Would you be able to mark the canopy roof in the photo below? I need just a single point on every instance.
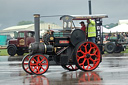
(85, 17)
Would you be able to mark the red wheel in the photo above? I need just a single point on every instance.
(25, 61)
(70, 67)
(87, 56)
(38, 64)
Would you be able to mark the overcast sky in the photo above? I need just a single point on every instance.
(13, 11)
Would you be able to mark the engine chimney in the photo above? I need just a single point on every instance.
(37, 46)
(37, 27)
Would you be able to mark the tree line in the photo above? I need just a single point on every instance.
(27, 22)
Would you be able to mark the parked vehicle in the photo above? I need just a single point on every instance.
(19, 45)
(116, 44)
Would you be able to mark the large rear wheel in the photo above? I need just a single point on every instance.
(87, 56)
(38, 64)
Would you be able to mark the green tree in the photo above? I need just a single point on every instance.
(41, 21)
(110, 25)
(27, 22)
(24, 22)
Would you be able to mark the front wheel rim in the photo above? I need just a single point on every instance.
(38, 64)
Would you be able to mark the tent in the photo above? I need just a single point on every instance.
(105, 30)
(122, 22)
(120, 28)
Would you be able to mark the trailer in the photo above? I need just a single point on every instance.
(69, 48)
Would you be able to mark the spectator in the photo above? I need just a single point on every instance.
(91, 30)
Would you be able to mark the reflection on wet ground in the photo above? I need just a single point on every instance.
(112, 71)
(65, 79)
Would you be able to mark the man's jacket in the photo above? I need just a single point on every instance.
(91, 29)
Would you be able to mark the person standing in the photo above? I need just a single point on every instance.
(83, 27)
(91, 30)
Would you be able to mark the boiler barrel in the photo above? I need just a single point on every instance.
(40, 48)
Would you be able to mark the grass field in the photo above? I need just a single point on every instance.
(126, 51)
(3, 52)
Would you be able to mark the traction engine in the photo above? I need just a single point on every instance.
(68, 49)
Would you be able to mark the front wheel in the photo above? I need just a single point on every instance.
(87, 56)
(11, 50)
(38, 64)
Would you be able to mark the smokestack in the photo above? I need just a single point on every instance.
(37, 27)
(90, 9)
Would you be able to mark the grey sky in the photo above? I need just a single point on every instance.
(13, 11)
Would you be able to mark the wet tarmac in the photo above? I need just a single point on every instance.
(112, 71)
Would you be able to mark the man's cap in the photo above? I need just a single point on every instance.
(81, 22)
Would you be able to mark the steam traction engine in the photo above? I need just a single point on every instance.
(67, 48)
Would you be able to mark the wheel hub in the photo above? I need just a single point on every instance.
(110, 47)
(87, 56)
(39, 64)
